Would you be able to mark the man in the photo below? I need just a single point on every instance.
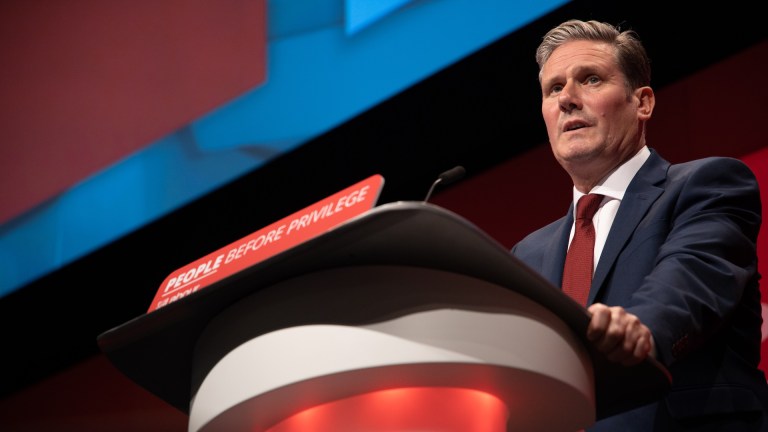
(675, 268)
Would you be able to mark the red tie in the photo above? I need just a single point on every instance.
(579, 263)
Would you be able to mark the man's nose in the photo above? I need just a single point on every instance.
(569, 97)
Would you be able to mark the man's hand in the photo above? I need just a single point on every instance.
(619, 334)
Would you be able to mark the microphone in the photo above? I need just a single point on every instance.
(452, 175)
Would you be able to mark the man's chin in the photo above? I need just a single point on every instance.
(577, 152)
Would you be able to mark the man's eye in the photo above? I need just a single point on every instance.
(556, 89)
(593, 79)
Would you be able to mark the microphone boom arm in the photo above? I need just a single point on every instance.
(452, 175)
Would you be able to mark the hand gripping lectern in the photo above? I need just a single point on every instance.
(405, 317)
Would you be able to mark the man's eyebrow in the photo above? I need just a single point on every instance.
(548, 81)
(581, 69)
(577, 70)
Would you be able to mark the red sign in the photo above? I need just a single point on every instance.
(269, 241)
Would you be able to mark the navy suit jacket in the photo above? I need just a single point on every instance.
(681, 255)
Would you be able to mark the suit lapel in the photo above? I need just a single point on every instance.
(640, 195)
(554, 261)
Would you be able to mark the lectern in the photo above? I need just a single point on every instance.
(405, 317)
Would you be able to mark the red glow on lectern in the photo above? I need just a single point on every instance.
(425, 409)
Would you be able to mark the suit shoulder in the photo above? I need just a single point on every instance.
(542, 234)
(713, 167)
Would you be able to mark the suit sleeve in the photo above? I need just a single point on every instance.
(707, 262)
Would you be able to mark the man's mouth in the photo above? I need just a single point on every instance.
(574, 125)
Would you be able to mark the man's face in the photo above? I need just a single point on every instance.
(592, 118)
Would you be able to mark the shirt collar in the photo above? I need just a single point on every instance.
(617, 181)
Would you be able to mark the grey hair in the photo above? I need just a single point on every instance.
(630, 53)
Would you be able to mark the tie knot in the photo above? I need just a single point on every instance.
(588, 205)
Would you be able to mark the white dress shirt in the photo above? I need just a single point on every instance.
(613, 187)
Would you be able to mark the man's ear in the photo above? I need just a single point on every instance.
(646, 101)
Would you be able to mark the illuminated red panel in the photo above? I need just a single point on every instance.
(758, 162)
(85, 83)
(433, 409)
